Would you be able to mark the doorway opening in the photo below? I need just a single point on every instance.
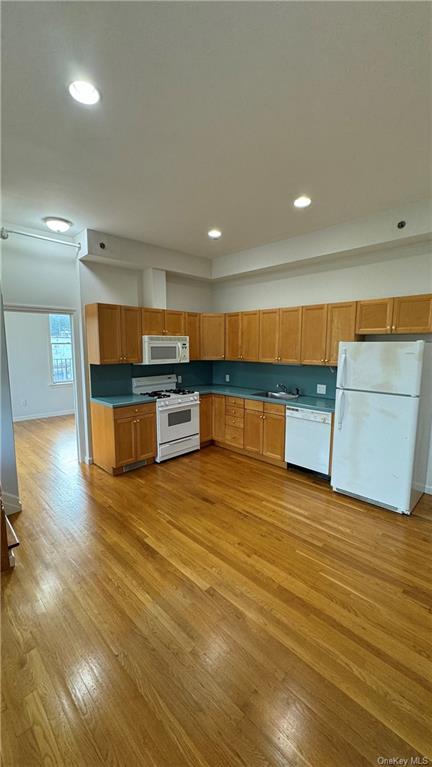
(42, 373)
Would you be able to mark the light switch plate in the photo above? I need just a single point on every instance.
(179, 379)
(227, 378)
(321, 388)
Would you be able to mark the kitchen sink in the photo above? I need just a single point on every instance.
(276, 395)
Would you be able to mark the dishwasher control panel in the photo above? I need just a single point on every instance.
(308, 415)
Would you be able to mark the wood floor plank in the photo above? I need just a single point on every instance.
(211, 611)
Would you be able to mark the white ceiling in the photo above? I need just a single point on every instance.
(214, 114)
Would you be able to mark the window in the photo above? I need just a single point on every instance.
(60, 330)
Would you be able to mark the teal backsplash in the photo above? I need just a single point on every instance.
(110, 380)
(264, 376)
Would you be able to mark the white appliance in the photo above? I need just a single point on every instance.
(307, 438)
(177, 414)
(382, 422)
(165, 350)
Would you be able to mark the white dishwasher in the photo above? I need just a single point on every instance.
(307, 438)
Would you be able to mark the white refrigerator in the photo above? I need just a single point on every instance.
(382, 422)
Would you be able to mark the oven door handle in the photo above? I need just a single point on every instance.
(179, 406)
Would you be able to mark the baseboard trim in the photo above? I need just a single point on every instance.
(37, 416)
(428, 489)
(12, 503)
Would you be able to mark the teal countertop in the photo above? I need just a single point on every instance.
(310, 403)
(122, 400)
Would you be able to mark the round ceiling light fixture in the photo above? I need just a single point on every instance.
(302, 202)
(214, 234)
(58, 225)
(84, 92)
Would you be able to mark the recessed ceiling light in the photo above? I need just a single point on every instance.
(302, 202)
(57, 224)
(214, 234)
(84, 92)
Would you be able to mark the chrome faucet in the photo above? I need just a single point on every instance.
(282, 387)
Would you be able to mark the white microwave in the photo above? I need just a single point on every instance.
(165, 350)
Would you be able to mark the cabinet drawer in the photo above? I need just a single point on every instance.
(276, 409)
(131, 410)
(234, 402)
(237, 421)
(234, 436)
(253, 404)
(235, 411)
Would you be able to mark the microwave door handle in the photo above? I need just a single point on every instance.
(179, 351)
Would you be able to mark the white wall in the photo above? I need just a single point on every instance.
(383, 273)
(109, 284)
(188, 295)
(8, 468)
(33, 394)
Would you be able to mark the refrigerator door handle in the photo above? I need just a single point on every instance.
(342, 368)
(340, 409)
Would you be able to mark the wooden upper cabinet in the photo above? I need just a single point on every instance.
(269, 335)
(218, 419)
(290, 335)
(193, 331)
(250, 336)
(341, 322)
(313, 334)
(206, 418)
(212, 331)
(158, 322)
(374, 316)
(412, 314)
(153, 321)
(233, 336)
(175, 322)
(113, 334)
(131, 334)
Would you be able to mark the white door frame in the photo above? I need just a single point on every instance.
(78, 368)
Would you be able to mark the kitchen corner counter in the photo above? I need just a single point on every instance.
(122, 400)
(310, 403)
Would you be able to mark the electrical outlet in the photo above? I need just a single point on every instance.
(227, 378)
(321, 388)
(179, 379)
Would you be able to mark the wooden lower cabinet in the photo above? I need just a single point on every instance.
(123, 436)
(253, 430)
(264, 429)
(206, 418)
(218, 417)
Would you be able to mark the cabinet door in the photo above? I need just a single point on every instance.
(290, 334)
(212, 329)
(273, 445)
(175, 323)
(250, 336)
(124, 438)
(313, 341)
(145, 436)
(269, 335)
(340, 327)
(131, 334)
(218, 418)
(193, 331)
(152, 321)
(412, 314)
(110, 336)
(374, 316)
(253, 431)
(233, 336)
(206, 430)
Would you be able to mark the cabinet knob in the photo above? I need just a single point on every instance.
(393, 327)
(322, 360)
(388, 327)
(279, 358)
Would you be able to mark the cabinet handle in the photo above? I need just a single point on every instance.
(393, 327)
(388, 327)
(279, 358)
(322, 360)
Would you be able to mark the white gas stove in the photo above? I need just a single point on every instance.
(177, 414)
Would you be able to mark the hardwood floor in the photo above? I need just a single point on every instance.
(212, 611)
